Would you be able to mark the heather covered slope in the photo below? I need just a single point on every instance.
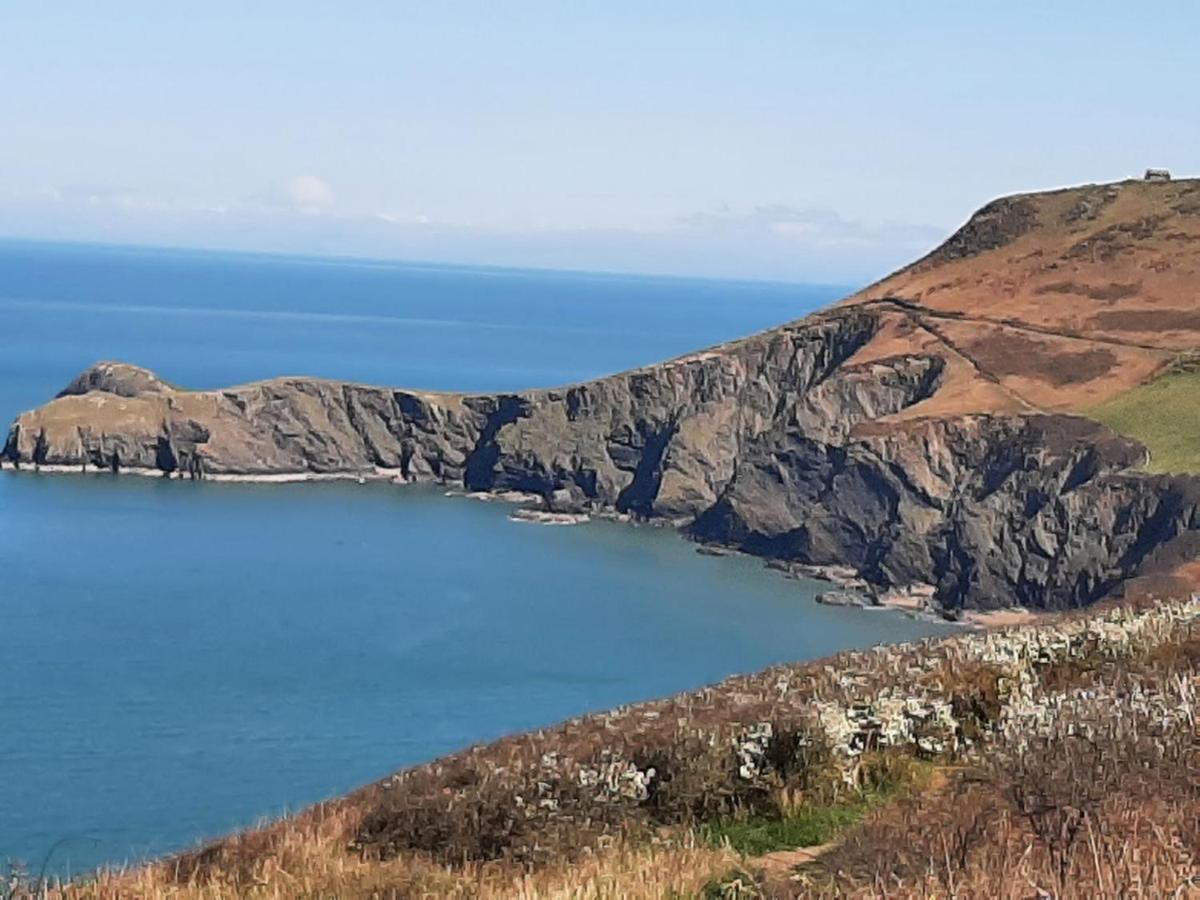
(1110, 262)
(1057, 300)
(1002, 763)
(920, 433)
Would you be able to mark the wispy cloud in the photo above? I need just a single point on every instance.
(812, 228)
(404, 218)
(303, 194)
(302, 214)
(107, 195)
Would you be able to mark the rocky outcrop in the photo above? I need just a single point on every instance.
(877, 436)
(996, 225)
(1040, 511)
(772, 445)
(117, 378)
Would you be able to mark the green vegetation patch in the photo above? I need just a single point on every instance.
(807, 827)
(808, 824)
(1163, 414)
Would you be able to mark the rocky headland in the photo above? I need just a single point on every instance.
(927, 431)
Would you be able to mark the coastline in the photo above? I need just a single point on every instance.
(1002, 618)
(848, 588)
(394, 476)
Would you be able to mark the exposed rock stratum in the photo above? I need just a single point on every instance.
(921, 431)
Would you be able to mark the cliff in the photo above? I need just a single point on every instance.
(924, 430)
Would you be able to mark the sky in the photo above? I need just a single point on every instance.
(790, 141)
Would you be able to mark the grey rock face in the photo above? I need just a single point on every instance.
(840, 598)
(1035, 510)
(117, 378)
(773, 444)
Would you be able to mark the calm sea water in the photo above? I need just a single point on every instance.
(178, 659)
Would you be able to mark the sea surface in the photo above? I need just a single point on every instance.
(178, 659)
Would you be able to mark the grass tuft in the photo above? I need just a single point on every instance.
(798, 824)
(757, 835)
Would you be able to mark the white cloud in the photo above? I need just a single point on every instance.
(309, 194)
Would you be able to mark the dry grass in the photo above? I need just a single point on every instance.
(680, 868)
(1104, 804)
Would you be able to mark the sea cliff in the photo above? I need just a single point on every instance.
(926, 431)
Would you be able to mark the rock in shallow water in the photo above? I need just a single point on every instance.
(841, 598)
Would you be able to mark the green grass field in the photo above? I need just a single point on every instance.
(1164, 415)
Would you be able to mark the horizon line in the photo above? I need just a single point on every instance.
(398, 262)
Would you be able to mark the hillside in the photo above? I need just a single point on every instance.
(922, 432)
(1053, 301)
(999, 764)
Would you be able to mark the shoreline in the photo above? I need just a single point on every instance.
(1001, 618)
(378, 474)
(852, 591)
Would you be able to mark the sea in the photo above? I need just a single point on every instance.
(178, 659)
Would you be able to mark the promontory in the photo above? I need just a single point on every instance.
(944, 426)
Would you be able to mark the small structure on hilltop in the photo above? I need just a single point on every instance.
(1157, 175)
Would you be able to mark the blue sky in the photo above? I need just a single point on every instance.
(798, 141)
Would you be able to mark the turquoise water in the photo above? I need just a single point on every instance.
(179, 658)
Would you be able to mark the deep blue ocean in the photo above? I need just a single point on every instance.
(178, 659)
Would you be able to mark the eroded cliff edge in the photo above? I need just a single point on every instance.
(877, 435)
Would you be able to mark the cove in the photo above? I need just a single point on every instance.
(184, 658)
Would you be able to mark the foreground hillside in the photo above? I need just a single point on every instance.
(1056, 759)
(925, 432)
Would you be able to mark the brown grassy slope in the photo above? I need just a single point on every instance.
(1060, 301)
(1056, 300)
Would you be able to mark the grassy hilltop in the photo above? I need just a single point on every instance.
(1083, 300)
